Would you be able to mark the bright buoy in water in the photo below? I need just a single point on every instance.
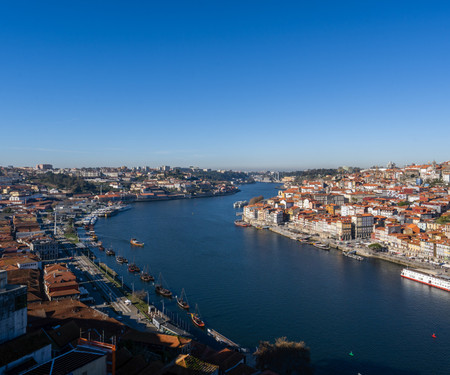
(433, 336)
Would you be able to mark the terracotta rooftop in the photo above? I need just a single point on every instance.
(50, 313)
(156, 339)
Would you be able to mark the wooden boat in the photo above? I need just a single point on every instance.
(241, 223)
(110, 252)
(195, 317)
(182, 300)
(120, 259)
(159, 288)
(135, 242)
(133, 268)
(321, 246)
(145, 276)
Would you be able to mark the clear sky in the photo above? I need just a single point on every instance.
(224, 84)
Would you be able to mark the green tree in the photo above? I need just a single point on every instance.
(256, 199)
(375, 247)
(443, 219)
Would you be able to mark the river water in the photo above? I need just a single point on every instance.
(253, 285)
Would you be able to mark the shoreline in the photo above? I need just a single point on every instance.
(366, 253)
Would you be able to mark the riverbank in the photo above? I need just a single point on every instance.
(169, 197)
(348, 246)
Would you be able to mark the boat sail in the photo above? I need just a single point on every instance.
(182, 300)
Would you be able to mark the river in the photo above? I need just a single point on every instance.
(253, 285)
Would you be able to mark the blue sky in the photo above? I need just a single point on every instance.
(224, 84)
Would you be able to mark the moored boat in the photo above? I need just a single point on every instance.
(135, 242)
(110, 252)
(146, 276)
(161, 290)
(241, 223)
(133, 268)
(120, 259)
(182, 301)
(195, 317)
(321, 246)
(197, 321)
(436, 281)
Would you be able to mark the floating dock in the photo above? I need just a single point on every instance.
(221, 338)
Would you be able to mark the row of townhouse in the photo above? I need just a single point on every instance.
(372, 204)
(264, 213)
(430, 246)
(343, 228)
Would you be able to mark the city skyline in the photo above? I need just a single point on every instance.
(251, 86)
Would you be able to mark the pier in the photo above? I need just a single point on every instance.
(222, 339)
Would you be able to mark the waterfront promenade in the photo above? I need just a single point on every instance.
(359, 248)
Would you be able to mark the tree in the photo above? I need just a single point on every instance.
(375, 247)
(443, 219)
(284, 357)
(256, 199)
